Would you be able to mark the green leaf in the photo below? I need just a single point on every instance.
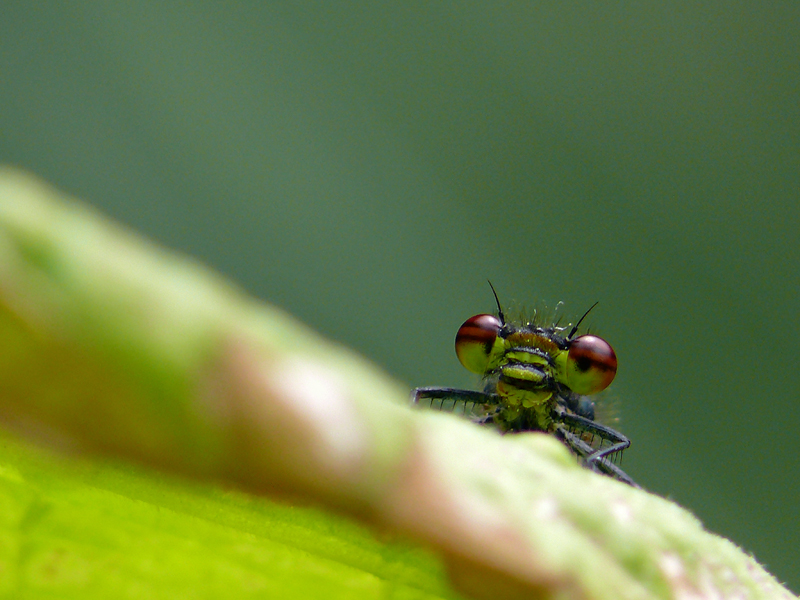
(88, 529)
(117, 349)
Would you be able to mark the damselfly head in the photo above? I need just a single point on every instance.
(585, 364)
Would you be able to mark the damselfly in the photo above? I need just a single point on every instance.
(536, 379)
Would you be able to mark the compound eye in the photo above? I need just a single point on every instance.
(591, 365)
(475, 340)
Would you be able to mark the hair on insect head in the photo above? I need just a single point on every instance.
(575, 328)
(500, 314)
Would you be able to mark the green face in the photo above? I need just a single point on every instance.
(529, 364)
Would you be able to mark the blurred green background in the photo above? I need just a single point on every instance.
(368, 166)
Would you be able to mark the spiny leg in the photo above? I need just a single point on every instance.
(429, 396)
(618, 441)
(585, 451)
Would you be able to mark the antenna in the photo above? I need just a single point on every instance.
(499, 309)
(574, 329)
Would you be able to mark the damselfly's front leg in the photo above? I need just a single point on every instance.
(437, 397)
(586, 452)
(618, 441)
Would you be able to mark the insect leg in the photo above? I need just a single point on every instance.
(431, 396)
(586, 452)
(618, 441)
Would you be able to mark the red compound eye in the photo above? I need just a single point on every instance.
(475, 340)
(591, 365)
